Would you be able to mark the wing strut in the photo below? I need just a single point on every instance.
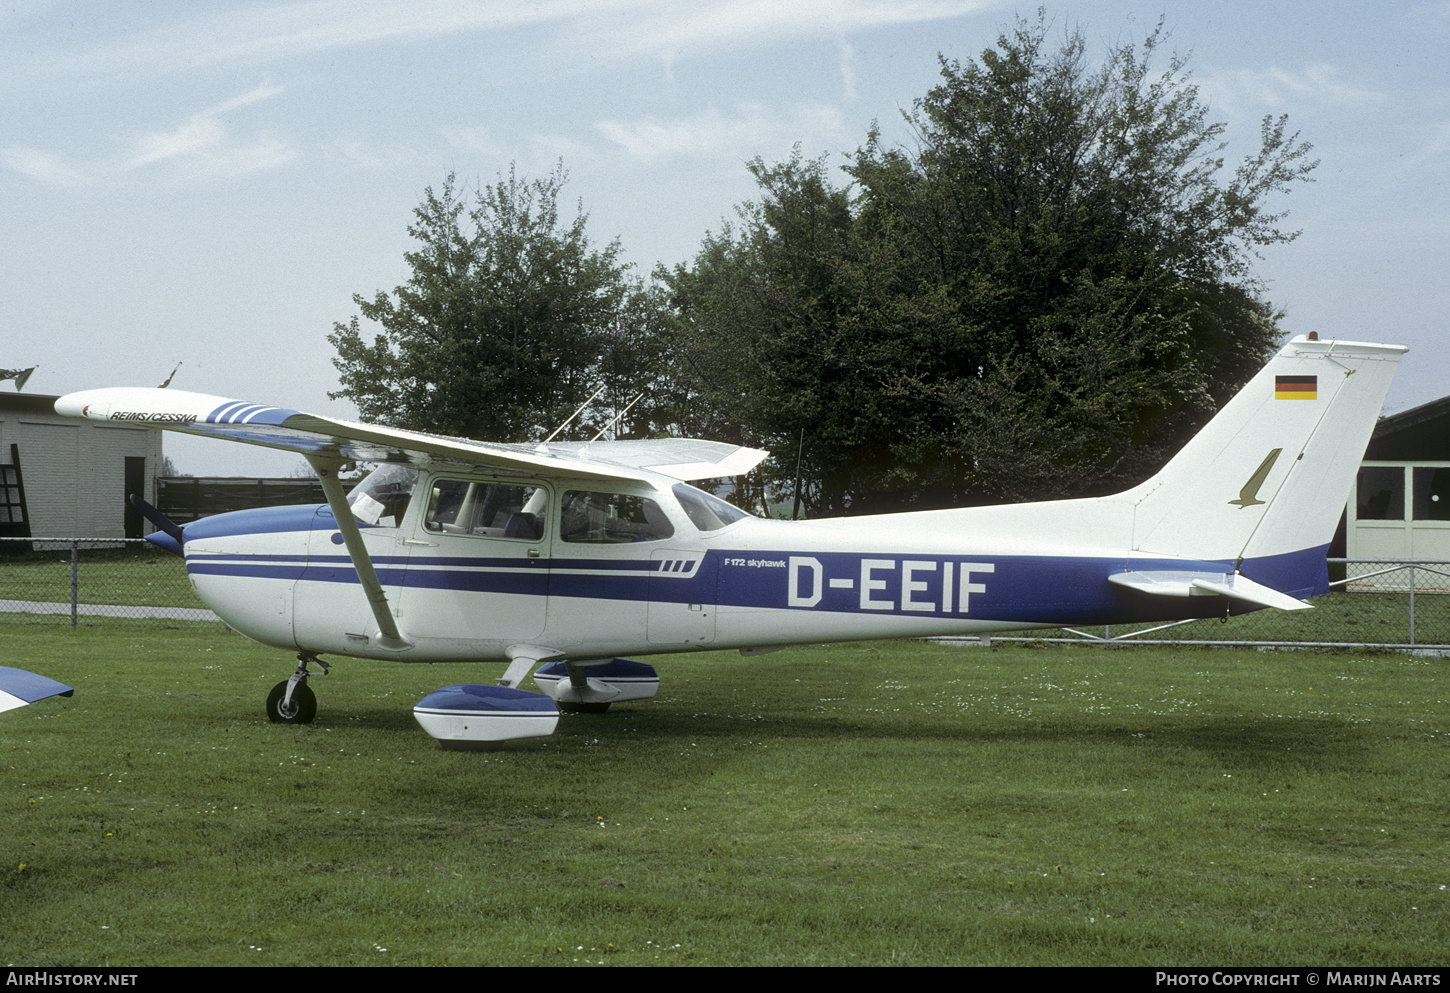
(326, 468)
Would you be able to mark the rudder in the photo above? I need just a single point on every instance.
(1268, 476)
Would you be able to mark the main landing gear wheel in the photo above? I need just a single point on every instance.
(302, 710)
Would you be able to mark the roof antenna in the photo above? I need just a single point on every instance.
(576, 413)
(795, 512)
(617, 417)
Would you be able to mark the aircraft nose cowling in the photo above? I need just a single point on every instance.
(256, 524)
(245, 564)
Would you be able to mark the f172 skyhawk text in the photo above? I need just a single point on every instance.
(565, 556)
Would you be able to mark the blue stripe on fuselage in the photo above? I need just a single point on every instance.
(1040, 588)
(1050, 590)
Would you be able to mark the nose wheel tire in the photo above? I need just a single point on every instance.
(302, 710)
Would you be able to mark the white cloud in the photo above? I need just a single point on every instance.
(668, 30)
(198, 136)
(267, 33)
(41, 165)
(260, 34)
(752, 127)
(1273, 89)
(848, 71)
(264, 92)
(534, 154)
(473, 138)
(201, 147)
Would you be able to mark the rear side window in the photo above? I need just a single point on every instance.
(706, 512)
(599, 518)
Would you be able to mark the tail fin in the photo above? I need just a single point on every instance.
(1263, 484)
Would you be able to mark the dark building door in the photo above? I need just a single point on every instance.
(135, 483)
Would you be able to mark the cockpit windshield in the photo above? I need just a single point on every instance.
(382, 497)
(707, 512)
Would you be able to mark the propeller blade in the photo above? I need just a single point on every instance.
(162, 523)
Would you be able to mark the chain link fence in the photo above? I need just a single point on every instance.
(1380, 603)
(91, 582)
(85, 582)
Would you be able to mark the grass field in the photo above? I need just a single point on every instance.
(136, 575)
(1382, 618)
(851, 804)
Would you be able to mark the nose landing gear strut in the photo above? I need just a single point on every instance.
(292, 700)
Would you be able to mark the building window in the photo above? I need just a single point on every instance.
(1380, 494)
(1432, 493)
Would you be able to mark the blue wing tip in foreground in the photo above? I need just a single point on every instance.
(19, 687)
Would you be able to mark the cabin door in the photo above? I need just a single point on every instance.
(478, 566)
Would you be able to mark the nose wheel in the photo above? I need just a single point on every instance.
(301, 710)
(292, 700)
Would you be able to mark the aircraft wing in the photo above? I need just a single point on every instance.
(19, 687)
(295, 431)
(680, 458)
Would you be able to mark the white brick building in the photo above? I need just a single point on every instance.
(73, 475)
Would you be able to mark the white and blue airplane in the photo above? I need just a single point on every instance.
(570, 555)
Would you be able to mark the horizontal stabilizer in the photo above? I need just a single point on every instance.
(1226, 584)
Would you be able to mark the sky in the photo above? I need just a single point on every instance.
(210, 184)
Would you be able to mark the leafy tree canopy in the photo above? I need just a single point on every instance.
(511, 319)
(1037, 300)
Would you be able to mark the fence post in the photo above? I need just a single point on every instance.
(75, 569)
(1412, 604)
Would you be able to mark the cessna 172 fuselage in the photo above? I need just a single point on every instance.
(576, 553)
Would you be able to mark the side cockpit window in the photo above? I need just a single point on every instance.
(599, 518)
(486, 510)
(381, 499)
(707, 512)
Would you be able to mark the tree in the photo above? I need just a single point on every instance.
(505, 326)
(734, 308)
(1102, 272)
(1040, 299)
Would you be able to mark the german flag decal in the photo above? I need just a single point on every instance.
(1296, 387)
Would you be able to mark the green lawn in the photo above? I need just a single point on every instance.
(131, 576)
(848, 804)
(1382, 618)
